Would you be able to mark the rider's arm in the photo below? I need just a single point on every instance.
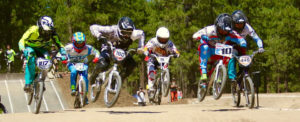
(25, 36)
(173, 48)
(98, 30)
(148, 47)
(204, 34)
(138, 34)
(58, 44)
(236, 38)
(254, 36)
(93, 51)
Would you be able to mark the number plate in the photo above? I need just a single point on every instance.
(80, 67)
(223, 50)
(119, 54)
(43, 64)
(245, 60)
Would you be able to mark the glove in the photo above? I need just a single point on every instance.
(146, 58)
(176, 55)
(64, 62)
(62, 51)
(95, 60)
(140, 50)
(64, 58)
(261, 50)
(205, 38)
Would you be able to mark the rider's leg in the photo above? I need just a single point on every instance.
(151, 71)
(73, 78)
(205, 53)
(129, 65)
(85, 77)
(29, 53)
(101, 66)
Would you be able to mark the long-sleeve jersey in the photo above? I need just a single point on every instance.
(10, 55)
(75, 57)
(152, 46)
(111, 33)
(211, 32)
(248, 30)
(32, 38)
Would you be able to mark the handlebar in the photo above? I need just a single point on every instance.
(252, 55)
(154, 55)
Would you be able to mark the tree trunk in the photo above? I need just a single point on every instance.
(69, 22)
(285, 83)
(142, 74)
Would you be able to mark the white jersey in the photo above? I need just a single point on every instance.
(153, 46)
(209, 31)
(111, 33)
(75, 57)
(248, 30)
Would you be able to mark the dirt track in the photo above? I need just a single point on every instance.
(274, 107)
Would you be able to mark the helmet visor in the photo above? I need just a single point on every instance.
(79, 45)
(239, 25)
(163, 40)
(222, 32)
(126, 33)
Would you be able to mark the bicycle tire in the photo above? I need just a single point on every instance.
(249, 100)
(236, 94)
(82, 92)
(165, 85)
(95, 90)
(115, 77)
(39, 90)
(218, 89)
(201, 92)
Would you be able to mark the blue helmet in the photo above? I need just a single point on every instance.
(78, 40)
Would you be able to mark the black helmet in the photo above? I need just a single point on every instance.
(126, 26)
(223, 24)
(238, 17)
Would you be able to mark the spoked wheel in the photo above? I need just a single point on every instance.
(96, 89)
(202, 90)
(112, 90)
(219, 84)
(249, 92)
(38, 96)
(165, 84)
(236, 94)
(30, 96)
(82, 93)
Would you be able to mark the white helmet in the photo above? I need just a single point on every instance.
(46, 23)
(162, 36)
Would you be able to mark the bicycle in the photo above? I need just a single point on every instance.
(80, 95)
(38, 85)
(162, 83)
(2, 108)
(218, 76)
(244, 82)
(113, 82)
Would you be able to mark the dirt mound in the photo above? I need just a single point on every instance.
(125, 99)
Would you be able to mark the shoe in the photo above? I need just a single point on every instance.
(86, 100)
(73, 92)
(234, 85)
(27, 88)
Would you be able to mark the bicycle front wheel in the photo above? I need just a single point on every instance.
(236, 94)
(112, 90)
(96, 89)
(38, 96)
(165, 84)
(202, 90)
(249, 92)
(82, 92)
(219, 83)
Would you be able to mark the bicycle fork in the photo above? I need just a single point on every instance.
(109, 87)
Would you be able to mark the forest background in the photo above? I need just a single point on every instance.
(277, 22)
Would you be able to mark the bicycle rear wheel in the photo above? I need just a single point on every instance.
(249, 92)
(112, 90)
(219, 84)
(38, 96)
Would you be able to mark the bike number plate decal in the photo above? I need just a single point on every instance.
(245, 60)
(119, 54)
(79, 66)
(43, 63)
(223, 50)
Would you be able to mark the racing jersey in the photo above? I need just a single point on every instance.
(75, 57)
(211, 32)
(111, 33)
(10, 55)
(152, 46)
(248, 30)
(32, 38)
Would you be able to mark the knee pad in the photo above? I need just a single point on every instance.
(151, 75)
